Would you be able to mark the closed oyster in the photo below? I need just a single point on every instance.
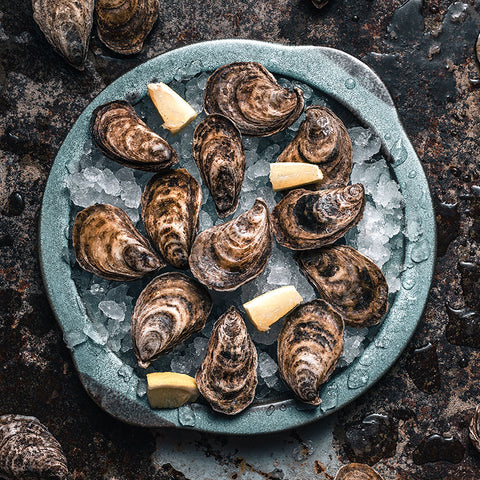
(66, 25)
(29, 451)
(218, 152)
(123, 25)
(227, 377)
(309, 347)
(123, 137)
(304, 220)
(348, 281)
(248, 94)
(322, 139)
(474, 429)
(171, 308)
(226, 256)
(171, 204)
(357, 471)
(107, 244)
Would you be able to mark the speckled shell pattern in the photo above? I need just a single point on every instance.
(474, 428)
(309, 347)
(123, 137)
(107, 244)
(349, 281)
(226, 256)
(170, 309)
(66, 25)
(227, 377)
(171, 204)
(28, 451)
(305, 219)
(218, 152)
(357, 471)
(249, 95)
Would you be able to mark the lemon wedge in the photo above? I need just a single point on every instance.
(293, 174)
(170, 390)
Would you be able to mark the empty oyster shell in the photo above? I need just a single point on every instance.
(304, 220)
(171, 308)
(123, 25)
(218, 152)
(309, 347)
(226, 256)
(322, 139)
(66, 25)
(349, 281)
(171, 204)
(227, 377)
(29, 451)
(474, 429)
(107, 244)
(123, 137)
(248, 94)
(357, 471)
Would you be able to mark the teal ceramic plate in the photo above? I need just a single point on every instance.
(358, 88)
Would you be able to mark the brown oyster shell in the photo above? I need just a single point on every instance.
(107, 244)
(349, 281)
(305, 219)
(29, 451)
(249, 95)
(474, 428)
(171, 204)
(66, 25)
(171, 308)
(227, 377)
(309, 347)
(322, 139)
(218, 152)
(226, 256)
(123, 137)
(123, 25)
(357, 471)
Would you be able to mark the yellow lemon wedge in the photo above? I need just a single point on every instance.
(293, 174)
(170, 390)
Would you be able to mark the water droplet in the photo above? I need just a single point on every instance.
(350, 83)
(329, 396)
(186, 416)
(283, 408)
(270, 410)
(358, 378)
(420, 251)
(388, 136)
(437, 448)
(412, 174)
(422, 368)
(368, 357)
(399, 152)
(382, 341)
(408, 279)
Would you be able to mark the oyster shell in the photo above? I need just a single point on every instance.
(226, 256)
(123, 137)
(357, 471)
(227, 377)
(322, 139)
(349, 281)
(66, 25)
(171, 308)
(29, 451)
(171, 204)
(107, 244)
(248, 94)
(218, 152)
(123, 25)
(305, 219)
(309, 347)
(474, 429)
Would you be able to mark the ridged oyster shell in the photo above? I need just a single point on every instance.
(305, 219)
(248, 94)
(171, 308)
(226, 256)
(227, 377)
(28, 451)
(107, 244)
(171, 204)
(218, 152)
(474, 428)
(309, 347)
(357, 471)
(123, 137)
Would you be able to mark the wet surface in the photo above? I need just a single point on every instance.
(437, 448)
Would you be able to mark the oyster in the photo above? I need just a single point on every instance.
(349, 281)
(218, 152)
(474, 429)
(357, 471)
(66, 25)
(226, 256)
(171, 204)
(107, 244)
(29, 451)
(227, 377)
(309, 347)
(123, 137)
(123, 25)
(248, 94)
(322, 139)
(304, 220)
(171, 308)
